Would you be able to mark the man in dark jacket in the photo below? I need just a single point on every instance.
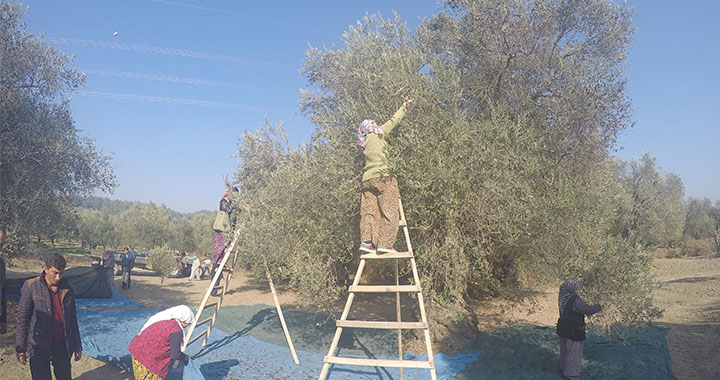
(127, 262)
(46, 330)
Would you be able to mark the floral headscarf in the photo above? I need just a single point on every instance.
(366, 127)
(568, 289)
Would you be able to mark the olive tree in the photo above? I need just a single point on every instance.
(44, 161)
(651, 210)
(502, 158)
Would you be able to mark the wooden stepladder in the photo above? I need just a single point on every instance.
(189, 339)
(343, 322)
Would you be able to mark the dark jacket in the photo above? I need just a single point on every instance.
(571, 324)
(33, 330)
(127, 260)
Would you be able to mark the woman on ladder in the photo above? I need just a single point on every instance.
(379, 213)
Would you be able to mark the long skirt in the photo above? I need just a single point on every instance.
(570, 357)
(220, 244)
(380, 211)
(140, 372)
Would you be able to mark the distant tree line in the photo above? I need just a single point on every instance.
(115, 224)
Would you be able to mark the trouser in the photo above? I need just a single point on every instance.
(126, 281)
(380, 211)
(60, 358)
(110, 275)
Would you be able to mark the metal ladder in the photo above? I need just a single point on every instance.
(189, 339)
(343, 322)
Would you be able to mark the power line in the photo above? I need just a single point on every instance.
(231, 13)
(171, 51)
(187, 80)
(162, 99)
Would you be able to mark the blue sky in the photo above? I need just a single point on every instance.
(183, 79)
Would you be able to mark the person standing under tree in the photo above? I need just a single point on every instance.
(380, 201)
(127, 262)
(571, 327)
(108, 262)
(46, 330)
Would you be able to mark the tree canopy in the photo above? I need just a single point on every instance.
(44, 160)
(503, 158)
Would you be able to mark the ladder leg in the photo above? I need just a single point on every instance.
(423, 317)
(346, 311)
(398, 311)
(280, 312)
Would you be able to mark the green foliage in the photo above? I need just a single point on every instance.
(44, 162)
(699, 220)
(162, 261)
(651, 211)
(502, 159)
(113, 206)
(145, 225)
(97, 228)
(618, 278)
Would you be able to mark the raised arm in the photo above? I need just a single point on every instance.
(396, 118)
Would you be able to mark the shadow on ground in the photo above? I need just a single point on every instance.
(531, 352)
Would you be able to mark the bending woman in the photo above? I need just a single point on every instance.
(158, 343)
(571, 326)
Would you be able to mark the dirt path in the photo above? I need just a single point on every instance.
(689, 294)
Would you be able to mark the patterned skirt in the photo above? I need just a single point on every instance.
(142, 373)
(220, 244)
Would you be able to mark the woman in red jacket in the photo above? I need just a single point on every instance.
(158, 343)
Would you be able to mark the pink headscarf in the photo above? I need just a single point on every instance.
(367, 127)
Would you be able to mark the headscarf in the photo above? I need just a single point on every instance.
(366, 127)
(179, 313)
(568, 289)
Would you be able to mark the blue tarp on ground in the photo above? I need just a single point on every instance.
(517, 352)
(106, 335)
(116, 301)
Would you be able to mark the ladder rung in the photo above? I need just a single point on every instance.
(207, 305)
(227, 270)
(399, 255)
(384, 289)
(204, 321)
(378, 362)
(218, 287)
(196, 337)
(381, 325)
(402, 223)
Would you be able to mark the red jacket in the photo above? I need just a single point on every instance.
(153, 347)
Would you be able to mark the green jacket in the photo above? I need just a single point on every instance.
(376, 163)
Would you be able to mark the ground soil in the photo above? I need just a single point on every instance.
(688, 291)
